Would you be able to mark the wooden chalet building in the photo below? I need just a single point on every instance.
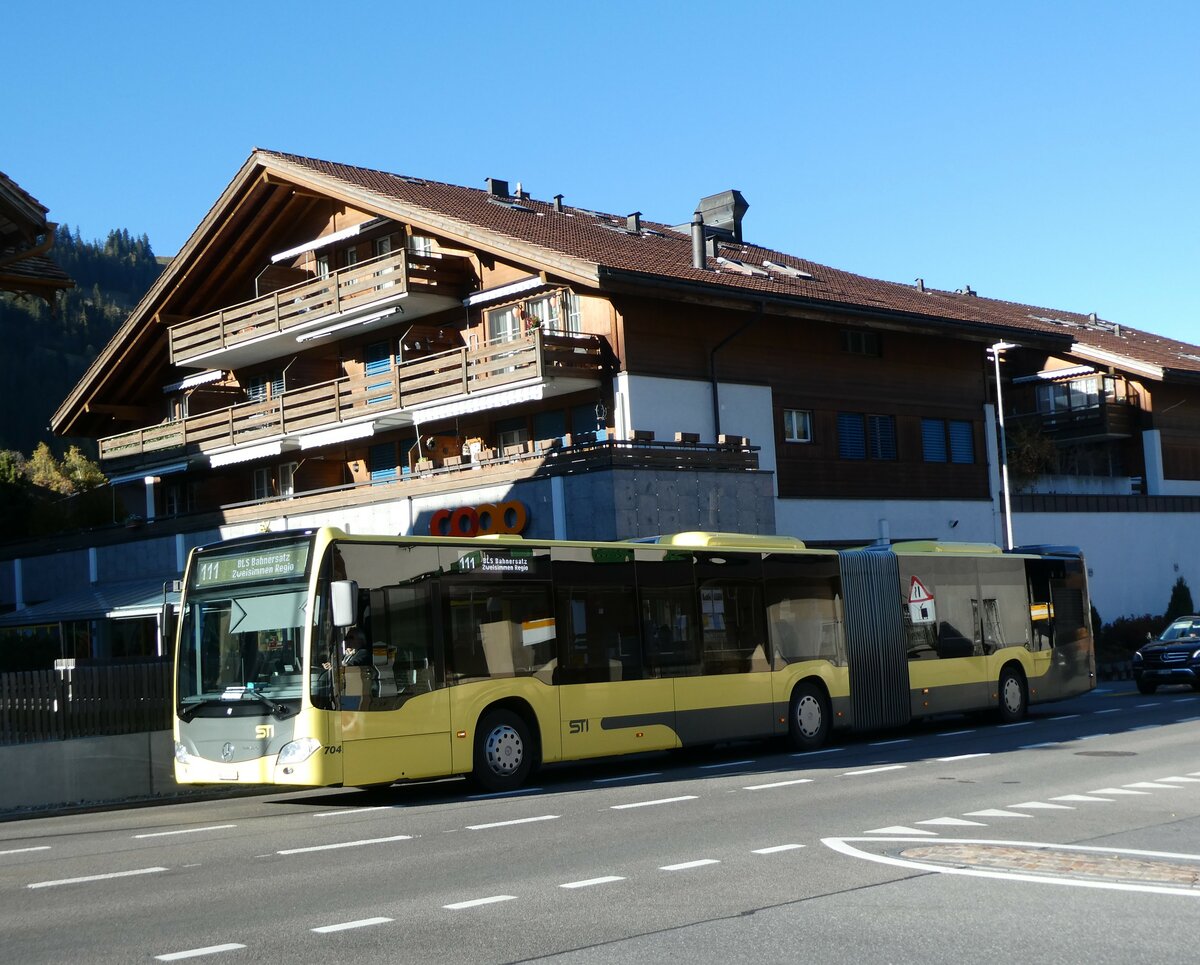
(338, 345)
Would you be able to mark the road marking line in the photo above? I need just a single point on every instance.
(589, 882)
(1043, 806)
(996, 813)
(346, 925)
(963, 757)
(902, 830)
(1111, 710)
(875, 770)
(346, 844)
(954, 822)
(476, 902)
(1080, 797)
(628, 777)
(646, 804)
(689, 864)
(902, 740)
(709, 767)
(1184, 780)
(1030, 747)
(349, 811)
(1116, 790)
(505, 824)
(1153, 703)
(197, 952)
(1153, 785)
(777, 848)
(163, 834)
(1063, 717)
(1091, 737)
(86, 878)
(495, 794)
(40, 847)
(828, 750)
(763, 787)
(1018, 723)
(955, 733)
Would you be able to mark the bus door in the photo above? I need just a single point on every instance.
(609, 702)
(875, 640)
(943, 614)
(724, 690)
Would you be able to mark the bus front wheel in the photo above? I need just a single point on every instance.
(1014, 700)
(808, 717)
(503, 751)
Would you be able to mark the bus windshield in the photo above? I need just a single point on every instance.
(242, 631)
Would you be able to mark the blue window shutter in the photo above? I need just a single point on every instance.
(962, 445)
(382, 460)
(883, 437)
(933, 440)
(852, 436)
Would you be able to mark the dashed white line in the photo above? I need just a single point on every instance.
(902, 830)
(346, 844)
(1063, 717)
(996, 813)
(954, 822)
(1185, 780)
(1017, 723)
(1116, 790)
(686, 865)
(962, 757)
(477, 902)
(627, 777)
(646, 804)
(711, 767)
(87, 878)
(589, 882)
(901, 740)
(1080, 797)
(164, 834)
(1030, 747)
(1043, 806)
(875, 770)
(347, 925)
(347, 812)
(1152, 785)
(955, 733)
(1153, 703)
(1111, 710)
(763, 787)
(40, 847)
(776, 849)
(495, 794)
(197, 952)
(827, 750)
(505, 824)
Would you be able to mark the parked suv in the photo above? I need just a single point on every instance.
(1174, 658)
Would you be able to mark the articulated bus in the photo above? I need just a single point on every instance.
(490, 656)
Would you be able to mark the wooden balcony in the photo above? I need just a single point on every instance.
(1094, 423)
(243, 333)
(558, 364)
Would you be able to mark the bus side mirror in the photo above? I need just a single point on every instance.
(344, 599)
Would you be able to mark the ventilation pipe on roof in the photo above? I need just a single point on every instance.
(497, 188)
(699, 260)
(558, 205)
(633, 223)
(724, 212)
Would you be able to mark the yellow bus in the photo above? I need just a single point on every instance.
(321, 659)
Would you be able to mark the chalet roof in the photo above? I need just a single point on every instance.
(599, 250)
(25, 237)
(659, 253)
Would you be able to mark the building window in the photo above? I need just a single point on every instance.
(322, 266)
(287, 478)
(860, 437)
(351, 257)
(859, 341)
(259, 388)
(511, 432)
(421, 245)
(797, 425)
(558, 312)
(949, 440)
(262, 482)
(179, 498)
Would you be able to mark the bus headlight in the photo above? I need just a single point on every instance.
(181, 753)
(298, 750)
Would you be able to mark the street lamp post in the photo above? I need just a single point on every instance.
(997, 350)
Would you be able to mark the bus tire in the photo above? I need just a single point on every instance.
(808, 717)
(1014, 698)
(504, 751)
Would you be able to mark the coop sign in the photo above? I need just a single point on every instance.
(485, 519)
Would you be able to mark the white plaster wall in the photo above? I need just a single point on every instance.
(866, 520)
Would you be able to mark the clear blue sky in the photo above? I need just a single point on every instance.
(1040, 152)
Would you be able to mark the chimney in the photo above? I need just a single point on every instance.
(698, 258)
(558, 205)
(633, 223)
(521, 194)
(724, 212)
(497, 188)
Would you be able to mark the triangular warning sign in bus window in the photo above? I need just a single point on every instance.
(917, 593)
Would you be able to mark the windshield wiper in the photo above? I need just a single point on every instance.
(278, 710)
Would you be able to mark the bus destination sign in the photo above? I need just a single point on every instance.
(279, 563)
(492, 561)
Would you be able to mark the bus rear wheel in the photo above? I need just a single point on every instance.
(1014, 701)
(808, 717)
(504, 751)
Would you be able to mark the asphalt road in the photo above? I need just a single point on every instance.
(1073, 836)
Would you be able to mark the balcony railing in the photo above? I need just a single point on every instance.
(460, 373)
(349, 289)
(1106, 420)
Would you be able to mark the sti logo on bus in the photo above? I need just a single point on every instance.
(264, 731)
(579, 726)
